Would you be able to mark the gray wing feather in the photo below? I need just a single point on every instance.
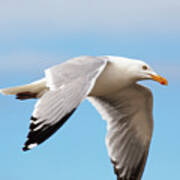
(69, 84)
(85, 67)
(129, 124)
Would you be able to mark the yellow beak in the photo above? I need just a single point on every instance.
(159, 79)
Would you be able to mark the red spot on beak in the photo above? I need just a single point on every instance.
(159, 79)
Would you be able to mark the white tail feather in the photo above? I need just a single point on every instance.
(35, 87)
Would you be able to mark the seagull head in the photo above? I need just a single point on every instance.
(142, 71)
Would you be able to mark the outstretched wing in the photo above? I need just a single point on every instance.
(69, 83)
(129, 124)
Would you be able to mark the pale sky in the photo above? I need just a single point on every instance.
(103, 15)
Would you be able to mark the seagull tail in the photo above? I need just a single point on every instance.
(29, 91)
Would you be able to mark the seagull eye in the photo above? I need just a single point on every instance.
(144, 67)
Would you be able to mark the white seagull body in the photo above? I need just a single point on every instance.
(110, 84)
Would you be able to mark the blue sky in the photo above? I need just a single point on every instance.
(37, 34)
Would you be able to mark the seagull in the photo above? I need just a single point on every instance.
(110, 83)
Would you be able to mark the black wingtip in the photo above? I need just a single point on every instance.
(28, 146)
(25, 149)
(33, 118)
(36, 137)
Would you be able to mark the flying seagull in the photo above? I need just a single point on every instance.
(110, 84)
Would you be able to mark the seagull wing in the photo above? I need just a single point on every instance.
(69, 84)
(129, 124)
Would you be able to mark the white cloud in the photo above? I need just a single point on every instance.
(85, 15)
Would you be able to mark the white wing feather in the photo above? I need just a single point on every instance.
(69, 84)
(129, 124)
